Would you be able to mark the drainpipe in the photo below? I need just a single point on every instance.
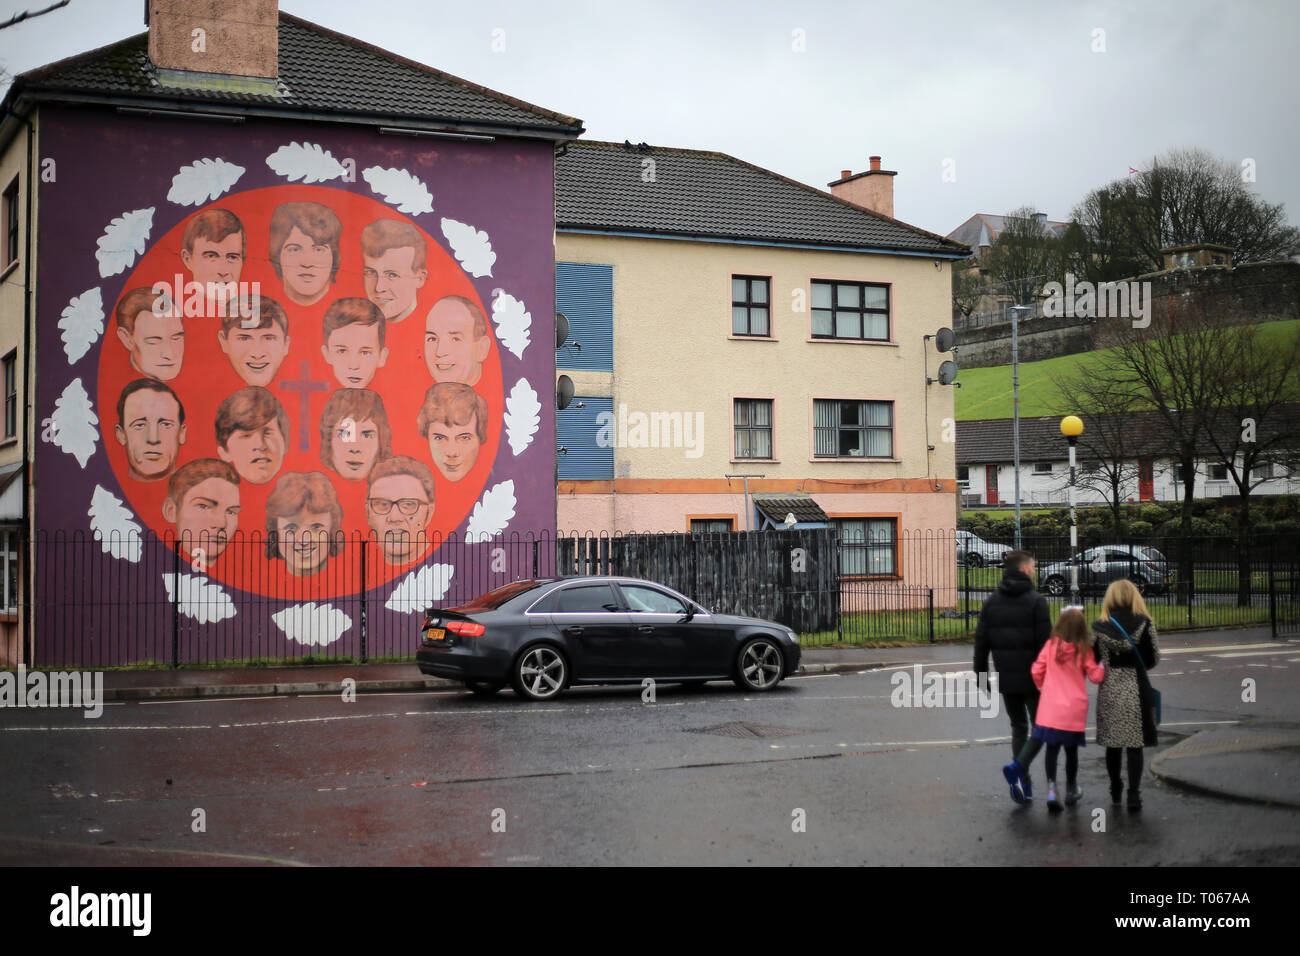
(28, 364)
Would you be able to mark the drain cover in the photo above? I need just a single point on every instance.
(741, 729)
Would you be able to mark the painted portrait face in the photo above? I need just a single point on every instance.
(151, 433)
(215, 262)
(207, 517)
(391, 282)
(355, 354)
(256, 354)
(451, 351)
(454, 448)
(398, 532)
(304, 540)
(156, 344)
(305, 265)
(257, 453)
(354, 446)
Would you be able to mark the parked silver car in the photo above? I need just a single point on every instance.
(1146, 567)
(976, 552)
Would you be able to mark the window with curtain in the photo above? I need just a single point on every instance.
(753, 428)
(867, 545)
(853, 429)
(750, 306)
(711, 525)
(850, 310)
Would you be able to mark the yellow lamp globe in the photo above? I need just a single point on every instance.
(1071, 426)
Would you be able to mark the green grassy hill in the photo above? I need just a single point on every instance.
(986, 392)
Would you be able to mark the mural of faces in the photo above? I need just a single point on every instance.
(212, 248)
(455, 341)
(303, 521)
(203, 504)
(453, 419)
(353, 331)
(304, 246)
(256, 353)
(399, 504)
(354, 433)
(252, 434)
(154, 337)
(392, 281)
(151, 427)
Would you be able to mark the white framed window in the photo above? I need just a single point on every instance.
(853, 429)
(867, 546)
(9, 540)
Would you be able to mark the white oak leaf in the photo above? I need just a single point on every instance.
(123, 240)
(72, 426)
(316, 625)
(472, 247)
(399, 188)
(114, 528)
(513, 321)
(82, 323)
(522, 417)
(492, 512)
(421, 588)
(199, 598)
(308, 162)
(202, 181)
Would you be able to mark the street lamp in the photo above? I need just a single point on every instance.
(1015, 403)
(1072, 428)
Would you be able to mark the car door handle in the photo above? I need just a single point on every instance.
(574, 631)
(645, 629)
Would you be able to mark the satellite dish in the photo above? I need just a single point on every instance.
(561, 329)
(563, 392)
(947, 372)
(944, 340)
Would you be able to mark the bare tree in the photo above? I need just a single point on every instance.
(1186, 196)
(1109, 443)
(1024, 257)
(968, 288)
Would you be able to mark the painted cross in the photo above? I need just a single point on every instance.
(306, 385)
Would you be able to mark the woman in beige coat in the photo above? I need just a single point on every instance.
(1125, 716)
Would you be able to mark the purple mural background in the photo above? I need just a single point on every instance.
(102, 602)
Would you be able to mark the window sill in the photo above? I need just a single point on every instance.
(871, 577)
(851, 341)
(751, 338)
(755, 461)
(859, 459)
(5, 443)
(4, 273)
(8, 617)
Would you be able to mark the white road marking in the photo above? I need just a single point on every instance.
(1196, 723)
(1217, 647)
(207, 700)
(1275, 650)
(811, 676)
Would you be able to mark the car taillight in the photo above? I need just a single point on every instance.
(466, 628)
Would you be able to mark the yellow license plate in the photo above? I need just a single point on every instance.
(435, 634)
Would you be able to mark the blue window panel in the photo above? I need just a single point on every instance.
(585, 294)
(576, 431)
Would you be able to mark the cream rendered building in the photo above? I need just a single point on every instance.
(727, 321)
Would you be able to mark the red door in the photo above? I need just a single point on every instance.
(991, 484)
(1146, 480)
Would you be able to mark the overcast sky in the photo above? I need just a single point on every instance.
(1023, 103)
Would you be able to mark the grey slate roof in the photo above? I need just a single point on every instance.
(989, 441)
(777, 507)
(983, 229)
(712, 195)
(320, 72)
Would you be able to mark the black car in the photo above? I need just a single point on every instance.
(542, 636)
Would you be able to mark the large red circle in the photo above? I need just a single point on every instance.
(207, 378)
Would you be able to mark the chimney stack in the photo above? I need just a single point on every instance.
(221, 38)
(872, 189)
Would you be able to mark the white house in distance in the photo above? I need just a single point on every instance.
(986, 471)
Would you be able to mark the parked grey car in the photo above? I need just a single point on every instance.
(1146, 567)
(976, 552)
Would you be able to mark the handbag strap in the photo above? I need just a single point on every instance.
(1136, 652)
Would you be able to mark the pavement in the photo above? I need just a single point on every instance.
(1257, 763)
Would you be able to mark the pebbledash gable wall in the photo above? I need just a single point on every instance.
(112, 215)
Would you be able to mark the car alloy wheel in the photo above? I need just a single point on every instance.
(759, 665)
(484, 688)
(974, 560)
(540, 672)
(1055, 586)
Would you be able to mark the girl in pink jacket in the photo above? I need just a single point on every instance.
(1062, 714)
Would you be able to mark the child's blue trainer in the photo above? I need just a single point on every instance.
(1014, 775)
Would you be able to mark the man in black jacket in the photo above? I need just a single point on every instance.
(1015, 624)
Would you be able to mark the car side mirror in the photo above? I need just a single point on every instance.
(686, 618)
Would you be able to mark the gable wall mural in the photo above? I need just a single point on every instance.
(298, 356)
